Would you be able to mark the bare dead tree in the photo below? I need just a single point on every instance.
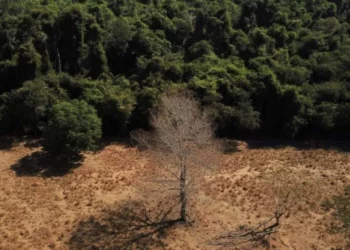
(285, 192)
(249, 234)
(182, 142)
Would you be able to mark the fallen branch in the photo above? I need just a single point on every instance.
(259, 232)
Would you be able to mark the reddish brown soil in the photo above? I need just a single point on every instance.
(43, 212)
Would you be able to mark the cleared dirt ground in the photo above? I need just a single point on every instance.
(39, 212)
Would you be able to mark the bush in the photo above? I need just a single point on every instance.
(73, 127)
(25, 109)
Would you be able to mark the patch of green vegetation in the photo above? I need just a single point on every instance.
(340, 206)
(277, 67)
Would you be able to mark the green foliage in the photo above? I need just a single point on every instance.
(113, 100)
(73, 127)
(280, 67)
(26, 109)
(340, 206)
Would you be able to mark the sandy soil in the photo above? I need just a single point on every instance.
(46, 212)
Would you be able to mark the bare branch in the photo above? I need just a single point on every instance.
(182, 144)
(242, 236)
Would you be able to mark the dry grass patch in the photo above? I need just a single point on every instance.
(44, 213)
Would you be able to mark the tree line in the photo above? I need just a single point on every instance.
(272, 66)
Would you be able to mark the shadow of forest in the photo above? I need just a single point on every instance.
(342, 146)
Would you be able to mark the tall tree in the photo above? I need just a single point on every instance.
(182, 142)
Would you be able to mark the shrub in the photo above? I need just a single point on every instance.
(25, 109)
(73, 127)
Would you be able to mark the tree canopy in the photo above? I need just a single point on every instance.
(72, 127)
(275, 67)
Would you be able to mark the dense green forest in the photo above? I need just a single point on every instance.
(276, 67)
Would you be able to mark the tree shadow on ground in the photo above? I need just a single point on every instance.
(107, 141)
(44, 164)
(33, 142)
(129, 226)
(229, 146)
(7, 142)
(343, 146)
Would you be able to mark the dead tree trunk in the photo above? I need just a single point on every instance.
(183, 198)
(182, 143)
